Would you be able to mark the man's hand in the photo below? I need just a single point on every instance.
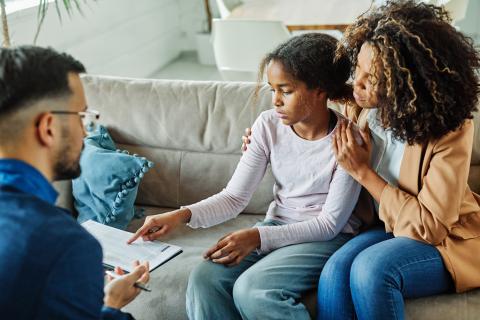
(121, 291)
(232, 248)
(160, 225)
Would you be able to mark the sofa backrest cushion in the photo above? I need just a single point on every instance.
(191, 130)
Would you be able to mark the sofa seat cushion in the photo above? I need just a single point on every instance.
(169, 281)
(465, 306)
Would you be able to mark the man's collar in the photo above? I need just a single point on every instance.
(25, 178)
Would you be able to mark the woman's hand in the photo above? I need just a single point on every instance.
(246, 139)
(160, 225)
(354, 158)
(232, 248)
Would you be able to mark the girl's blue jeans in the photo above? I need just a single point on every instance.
(261, 286)
(370, 276)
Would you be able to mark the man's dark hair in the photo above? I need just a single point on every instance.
(428, 83)
(29, 74)
(311, 59)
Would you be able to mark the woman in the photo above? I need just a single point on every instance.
(271, 264)
(416, 86)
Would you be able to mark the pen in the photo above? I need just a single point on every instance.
(136, 285)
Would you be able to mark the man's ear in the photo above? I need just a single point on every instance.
(45, 130)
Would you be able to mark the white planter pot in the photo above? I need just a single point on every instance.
(205, 49)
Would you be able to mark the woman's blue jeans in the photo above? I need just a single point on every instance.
(371, 275)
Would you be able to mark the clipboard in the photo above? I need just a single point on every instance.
(117, 253)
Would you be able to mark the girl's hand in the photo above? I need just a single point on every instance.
(246, 139)
(232, 248)
(160, 225)
(354, 158)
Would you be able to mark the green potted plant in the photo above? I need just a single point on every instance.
(70, 7)
(6, 35)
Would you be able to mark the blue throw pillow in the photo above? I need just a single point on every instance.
(107, 188)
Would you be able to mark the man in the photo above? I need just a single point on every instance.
(50, 267)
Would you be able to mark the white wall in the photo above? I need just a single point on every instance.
(470, 25)
(136, 38)
(192, 20)
(115, 37)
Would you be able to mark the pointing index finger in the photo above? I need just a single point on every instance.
(140, 232)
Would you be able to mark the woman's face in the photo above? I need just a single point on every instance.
(364, 91)
(292, 99)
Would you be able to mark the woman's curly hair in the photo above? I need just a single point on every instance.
(424, 70)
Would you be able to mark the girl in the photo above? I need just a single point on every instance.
(271, 264)
(417, 86)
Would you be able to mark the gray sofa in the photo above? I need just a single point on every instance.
(192, 130)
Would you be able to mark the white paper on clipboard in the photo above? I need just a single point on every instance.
(116, 251)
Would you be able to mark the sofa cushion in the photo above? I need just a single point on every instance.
(169, 281)
(198, 116)
(107, 188)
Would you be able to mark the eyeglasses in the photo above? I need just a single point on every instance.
(89, 118)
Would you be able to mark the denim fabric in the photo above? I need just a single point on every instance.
(107, 188)
(261, 286)
(372, 274)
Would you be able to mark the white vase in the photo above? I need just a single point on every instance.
(205, 49)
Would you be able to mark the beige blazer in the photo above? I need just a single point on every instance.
(433, 202)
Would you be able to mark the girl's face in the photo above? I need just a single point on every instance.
(364, 91)
(292, 100)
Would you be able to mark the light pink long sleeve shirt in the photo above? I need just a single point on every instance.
(313, 196)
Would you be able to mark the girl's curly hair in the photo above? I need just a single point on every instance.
(311, 58)
(428, 80)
